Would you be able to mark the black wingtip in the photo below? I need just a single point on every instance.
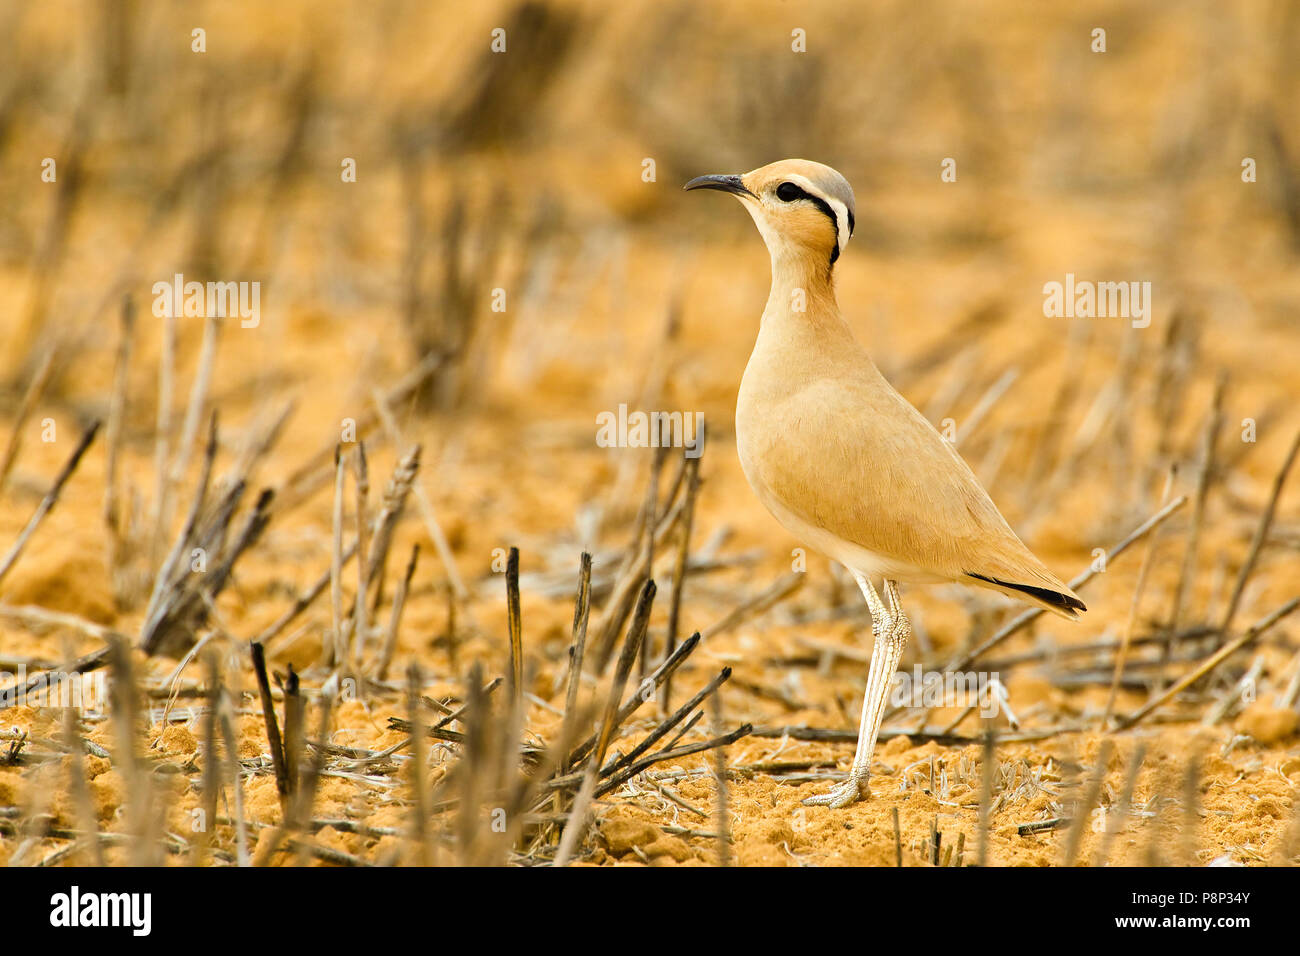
(1067, 603)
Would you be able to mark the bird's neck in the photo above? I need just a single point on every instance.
(803, 292)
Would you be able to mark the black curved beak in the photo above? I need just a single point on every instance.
(726, 184)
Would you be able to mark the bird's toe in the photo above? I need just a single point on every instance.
(848, 792)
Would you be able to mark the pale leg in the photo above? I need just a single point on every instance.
(890, 630)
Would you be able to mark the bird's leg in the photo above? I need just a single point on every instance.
(889, 629)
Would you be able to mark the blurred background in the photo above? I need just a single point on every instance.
(546, 179)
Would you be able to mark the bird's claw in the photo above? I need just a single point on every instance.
(850, 791)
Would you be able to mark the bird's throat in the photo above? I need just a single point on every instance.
(802, 291)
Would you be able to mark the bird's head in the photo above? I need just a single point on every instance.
(803, 209)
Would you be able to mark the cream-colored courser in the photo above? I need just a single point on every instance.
(841, 459)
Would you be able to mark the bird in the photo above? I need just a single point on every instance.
(842, 460)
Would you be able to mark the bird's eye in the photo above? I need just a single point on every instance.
(788, 192)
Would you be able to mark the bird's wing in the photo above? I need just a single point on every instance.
(852, 456)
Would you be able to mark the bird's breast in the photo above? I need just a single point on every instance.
(765, 417)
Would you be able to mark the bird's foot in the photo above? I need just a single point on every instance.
(850, 791)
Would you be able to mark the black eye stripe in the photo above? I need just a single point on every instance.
(795, 192)
(791, 192)
(825, 207)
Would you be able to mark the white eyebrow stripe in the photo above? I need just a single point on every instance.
(841, 220)
(841, 210)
